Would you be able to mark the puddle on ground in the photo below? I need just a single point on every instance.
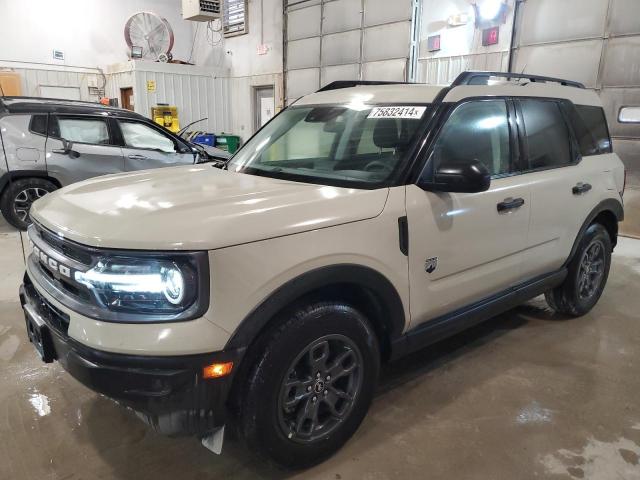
(597, 461)
(40, 403)
(534, 413)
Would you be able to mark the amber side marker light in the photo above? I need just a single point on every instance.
(217, 370)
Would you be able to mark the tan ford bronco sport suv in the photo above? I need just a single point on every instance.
(365, 221)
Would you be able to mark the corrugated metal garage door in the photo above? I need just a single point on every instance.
(328, 40)
(595, 42)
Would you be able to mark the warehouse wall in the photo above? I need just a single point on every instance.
(461, 46)
(194, 90)
(330, 40)
(89, 32)
(595, 42)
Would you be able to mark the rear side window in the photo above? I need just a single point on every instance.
(84, 130)
(548, 143)
(590, 127)
(38, 124)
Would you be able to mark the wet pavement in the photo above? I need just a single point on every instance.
(526, 395)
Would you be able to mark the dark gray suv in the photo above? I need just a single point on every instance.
(48, 143)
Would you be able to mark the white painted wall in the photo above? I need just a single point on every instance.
(89, 32)
(461, 46)
(237, 59)
(91, 35)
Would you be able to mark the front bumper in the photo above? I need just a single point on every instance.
(169, 393)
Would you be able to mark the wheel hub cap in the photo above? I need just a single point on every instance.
(591, 270)
(24, 199)
(320, 388)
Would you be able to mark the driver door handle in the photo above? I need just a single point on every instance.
(510, 204)
(135, 156)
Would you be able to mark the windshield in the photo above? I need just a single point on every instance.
(333, 144)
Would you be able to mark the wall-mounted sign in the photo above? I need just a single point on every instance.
(433, 43)
(490, 36)
(151, 86)
(58, 55)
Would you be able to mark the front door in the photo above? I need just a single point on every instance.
(464, 247)
(93, 151)
(126, 98)
(147, 146)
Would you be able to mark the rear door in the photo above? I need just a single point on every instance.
(565, 186)
(94, 151)
(464, 247)
(146, 146)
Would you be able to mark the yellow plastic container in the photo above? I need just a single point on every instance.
(167, 116)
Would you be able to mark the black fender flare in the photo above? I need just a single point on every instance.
(18, 174)
(313, 280)
(609, 205)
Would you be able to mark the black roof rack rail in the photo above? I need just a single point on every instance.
(338, 84)
(481, 78)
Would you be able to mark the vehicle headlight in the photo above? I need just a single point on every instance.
(143, 285)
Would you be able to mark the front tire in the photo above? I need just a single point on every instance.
(18, 197)
(311, 384)
(587, 274)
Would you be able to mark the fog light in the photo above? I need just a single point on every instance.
(217, 370)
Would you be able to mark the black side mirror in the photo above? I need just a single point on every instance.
(468, 176)
(67, 147)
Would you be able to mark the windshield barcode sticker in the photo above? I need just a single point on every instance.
(397, 112)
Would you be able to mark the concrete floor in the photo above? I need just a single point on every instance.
(526, 395)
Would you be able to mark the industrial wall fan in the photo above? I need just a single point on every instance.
(149, 37)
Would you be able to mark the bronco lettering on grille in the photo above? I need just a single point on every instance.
(50, 262)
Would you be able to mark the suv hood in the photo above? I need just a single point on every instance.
(196, 208)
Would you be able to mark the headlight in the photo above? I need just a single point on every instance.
(142, 286)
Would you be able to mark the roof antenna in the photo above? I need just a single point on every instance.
(522, 73)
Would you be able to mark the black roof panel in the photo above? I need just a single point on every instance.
(56, 105)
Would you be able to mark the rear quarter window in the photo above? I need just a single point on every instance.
(38, 124)
(590, 126)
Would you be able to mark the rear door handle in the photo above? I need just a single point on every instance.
(510, 204)
(137, 157)
(581, 188)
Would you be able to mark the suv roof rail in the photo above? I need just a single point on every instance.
(338, 84)
(482, 78)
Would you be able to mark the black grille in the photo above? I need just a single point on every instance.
(54, 317)
(65, 248)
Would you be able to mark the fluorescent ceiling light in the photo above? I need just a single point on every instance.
(490, 9)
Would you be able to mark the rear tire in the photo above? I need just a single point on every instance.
(587, 274)
(311, 384)
(17, 198)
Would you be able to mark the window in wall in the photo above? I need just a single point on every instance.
(476, 131)
(547, 134)
(139, 135)
(590, 127)
(629, 115)
(234, 19)
(84, 130)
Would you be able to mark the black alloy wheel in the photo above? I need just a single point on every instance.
(319, 389)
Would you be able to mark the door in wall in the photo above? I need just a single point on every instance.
(126, 98)
(264, 105)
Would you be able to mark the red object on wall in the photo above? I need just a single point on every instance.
(490, 36)
(433, 43)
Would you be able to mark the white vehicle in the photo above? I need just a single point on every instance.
(364, 222)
